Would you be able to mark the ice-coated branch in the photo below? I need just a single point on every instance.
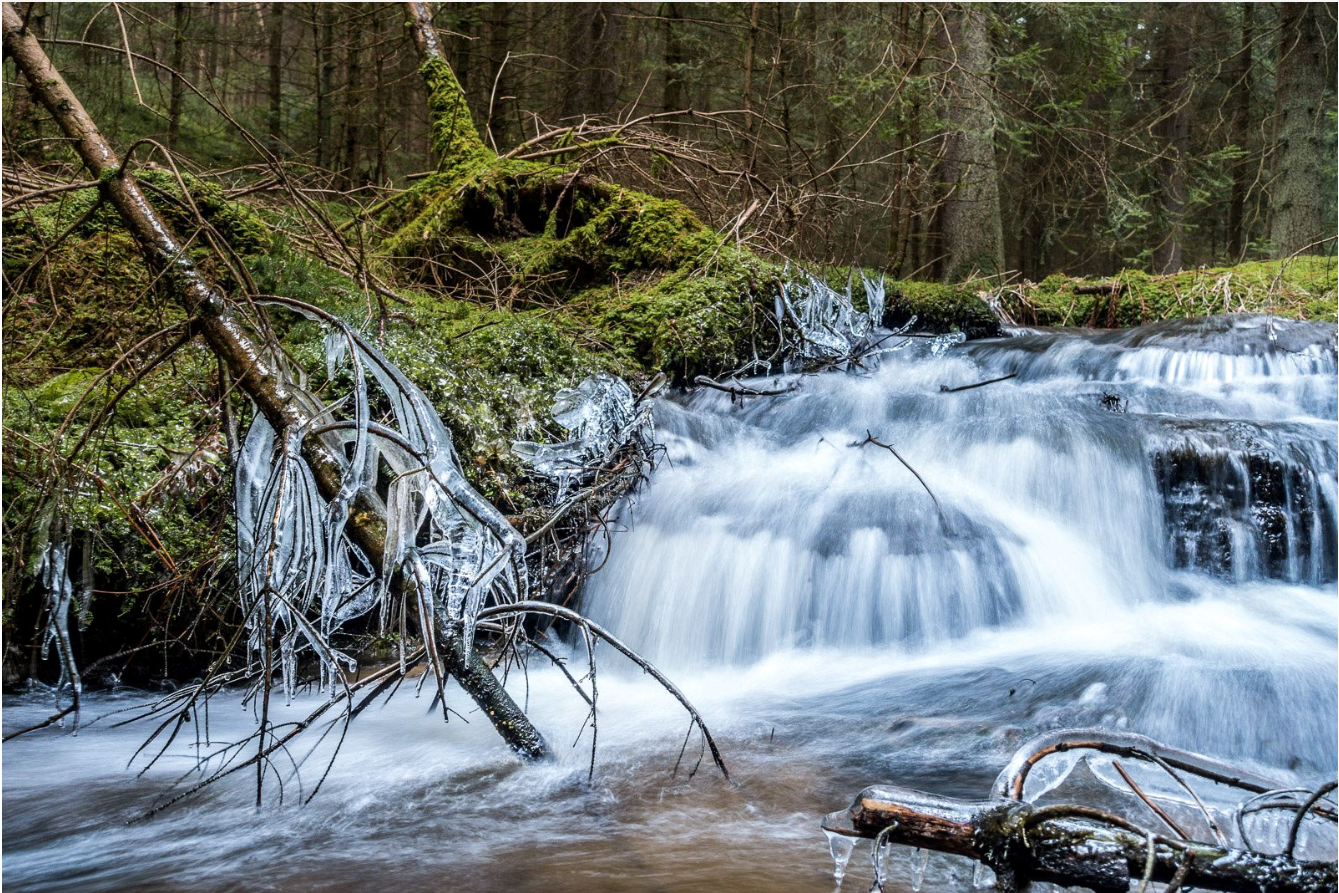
(601, 417)
(824, 325)
(1067, 845)
(251, 364)
(1103, 848)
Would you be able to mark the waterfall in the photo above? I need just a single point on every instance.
(1160, 489)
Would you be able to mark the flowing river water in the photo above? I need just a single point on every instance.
(1136, 531)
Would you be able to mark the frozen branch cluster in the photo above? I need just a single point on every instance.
(826, 324)
(601, 416)
(1151, 814)
(301, 575)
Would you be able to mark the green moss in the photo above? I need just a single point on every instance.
(55, 398)
(685, 322)
(454, 138)
(150, 490)
(1301, 288)
(29, 230)
(641, 274)
(939, 308)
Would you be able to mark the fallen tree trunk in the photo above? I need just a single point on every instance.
(1067, 845)
(248, 361)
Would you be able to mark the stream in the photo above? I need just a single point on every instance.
(1136, 531)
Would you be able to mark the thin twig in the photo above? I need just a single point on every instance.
(945, 389)
(871, 439)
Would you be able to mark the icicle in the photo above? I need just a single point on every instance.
(59, 598)
(841, 846)
(874, 298)
(827, 325)
(292, 548)
(1050, 773)
(919, 859)
(602, 416)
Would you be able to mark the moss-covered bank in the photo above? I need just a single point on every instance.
(1299, 288)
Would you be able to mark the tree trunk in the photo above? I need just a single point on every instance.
(177, 90)
(22, 124)
(675, 57)
(453, 134)
(325, 82)
(276, 63)
(750, 51)
(1174, 134)
(379, 172)
(1301, 89)
(498, 86)
(593, 32)
(247, 361)
(353, 85)
(1240, 90)
(971, 227)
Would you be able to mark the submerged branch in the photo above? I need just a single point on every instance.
(739, 390)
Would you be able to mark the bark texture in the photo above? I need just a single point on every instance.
(1299, 203)
(973, 233)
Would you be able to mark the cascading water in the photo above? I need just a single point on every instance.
(1137, 530)
(1077, 492)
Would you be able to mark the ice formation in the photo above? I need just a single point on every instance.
(825, 322)
(301, 575)
(60, 599)
(601, 416)
(943, 343)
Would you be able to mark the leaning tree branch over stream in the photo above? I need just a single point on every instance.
(317, 543)
(249, 362)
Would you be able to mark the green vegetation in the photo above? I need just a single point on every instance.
(1300, 288)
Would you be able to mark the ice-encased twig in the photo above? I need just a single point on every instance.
(601, 415)
(301, 576)
(55, 577)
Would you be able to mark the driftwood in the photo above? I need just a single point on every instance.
(246, 360)
(1068, 845)
(1081, 846)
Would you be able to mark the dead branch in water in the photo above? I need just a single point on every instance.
(871, 439)
(945, 389)
(739, 391)
(1082, 846)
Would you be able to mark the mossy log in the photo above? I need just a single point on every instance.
(247, 360)
(1065, 845)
